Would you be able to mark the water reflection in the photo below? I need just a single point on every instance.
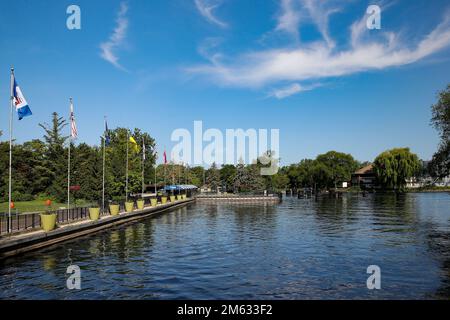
(300, 248)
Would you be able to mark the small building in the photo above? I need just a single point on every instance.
(364, 178)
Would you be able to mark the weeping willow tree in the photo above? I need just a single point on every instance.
(394, 167)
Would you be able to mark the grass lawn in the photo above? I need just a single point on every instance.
(34, 206)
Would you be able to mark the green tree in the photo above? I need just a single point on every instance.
(321, 176)
(56, 156)
(39, 165)
(280, 181)
(116, 159)
(439, 165)
(340, 167)
(227, 174)
(197, 174)
(213, 177)
(394, 167)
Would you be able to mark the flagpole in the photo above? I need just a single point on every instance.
(126, 172)
(103, 179)
(165, 165)
(156, 158)
(10, 149)
(143, 159)
(68, 160)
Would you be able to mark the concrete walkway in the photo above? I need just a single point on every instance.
(11, 245)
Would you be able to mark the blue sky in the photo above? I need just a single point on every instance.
(308, 68)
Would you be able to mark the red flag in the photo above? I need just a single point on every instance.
(165, 157)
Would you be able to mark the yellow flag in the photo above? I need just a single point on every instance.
(135, 145)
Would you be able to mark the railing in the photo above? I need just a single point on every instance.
(237, 196)
(28, 221)
(21, 222)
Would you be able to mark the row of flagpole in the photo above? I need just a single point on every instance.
(18, 101)
(105, 142)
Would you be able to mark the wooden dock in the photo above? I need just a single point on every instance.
(238, 198)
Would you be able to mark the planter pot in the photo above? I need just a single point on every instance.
(163, 200)
(140, 204)
(183, 196)
(94, 213)
(114, 209)
(172, 198)
(179, 197)
(129, 206)
(153, 202)
(48, 222)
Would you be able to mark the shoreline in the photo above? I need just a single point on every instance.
(15, 244)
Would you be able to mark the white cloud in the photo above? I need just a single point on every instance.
(293, 13)
(206, 9)
(116, 39)
(320, 12)
(289, 19)
(319, 60)
(290, 90)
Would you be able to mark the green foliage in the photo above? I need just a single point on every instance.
(335, 167)
(213, 177)
(39, 168)
(394, 166)
(55, 157)
(439, 165)
(441, 114)
(248, 178)
(227, 175)
(280, 181)
(325, 172)
(197, 176)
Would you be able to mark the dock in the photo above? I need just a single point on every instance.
(238, 198)
(15, 244)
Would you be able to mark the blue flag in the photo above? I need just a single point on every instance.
(107, 138)
(22, 108)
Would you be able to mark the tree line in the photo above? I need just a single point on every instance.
(40, 166)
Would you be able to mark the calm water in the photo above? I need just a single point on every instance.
(299, 249)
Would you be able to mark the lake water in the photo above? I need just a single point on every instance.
(297, 249)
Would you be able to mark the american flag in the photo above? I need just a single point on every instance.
(73, 125)
(143, 149)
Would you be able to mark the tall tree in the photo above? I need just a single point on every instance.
(227, 174)
(339, 165)
(56, 156)
(439, 165)
(213, 177)
(197, 174)
(395, 166)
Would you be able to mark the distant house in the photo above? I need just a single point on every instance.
(364, 178)
(423, 179)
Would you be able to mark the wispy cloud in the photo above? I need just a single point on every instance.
(294, 13)
(321, 59)
(291, 89)
(206, 9)
(116, 39)
(289, 18)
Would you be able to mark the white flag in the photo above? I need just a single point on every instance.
(73, 125)
(143, 149)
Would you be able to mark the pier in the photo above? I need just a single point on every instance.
(15, 244)
(239, 198)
